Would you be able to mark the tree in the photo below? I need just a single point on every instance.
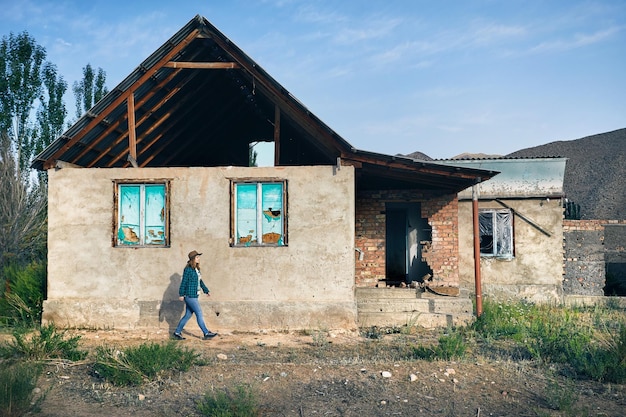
(252, 155)
(89, 90)
(23, 210)
(21, 62)
(51, 113)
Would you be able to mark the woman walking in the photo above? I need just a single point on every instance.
(190, 288)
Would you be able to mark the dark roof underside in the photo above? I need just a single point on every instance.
(200, 101)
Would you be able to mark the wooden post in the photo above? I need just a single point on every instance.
(276, 135)
(477, 281)
(132, 135)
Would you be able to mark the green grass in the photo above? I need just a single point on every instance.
(240, 402)
(134, 365)
(17, 382)
(451, 346)
(590, 342)
(47, 343)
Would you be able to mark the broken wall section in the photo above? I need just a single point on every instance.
(595, 258)
(370, 231)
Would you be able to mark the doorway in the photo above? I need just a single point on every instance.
(406, 230)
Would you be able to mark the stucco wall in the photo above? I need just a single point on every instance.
(307, 284)
(536, 271)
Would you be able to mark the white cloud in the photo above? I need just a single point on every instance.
(575, 41)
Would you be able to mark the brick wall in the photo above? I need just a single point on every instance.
(442, 214)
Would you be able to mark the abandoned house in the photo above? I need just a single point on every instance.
(328, 237)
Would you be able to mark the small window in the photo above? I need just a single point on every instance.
(141, 214)
(496, 233)
(259, 217)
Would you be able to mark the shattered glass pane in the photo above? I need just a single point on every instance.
(504, 232)
(496, 233)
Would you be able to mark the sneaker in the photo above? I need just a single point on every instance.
(178, 336)
(209, 335)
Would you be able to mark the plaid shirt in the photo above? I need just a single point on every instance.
(189, 284)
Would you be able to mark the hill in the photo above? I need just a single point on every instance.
(595, 173)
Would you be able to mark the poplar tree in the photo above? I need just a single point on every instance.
(90, 89)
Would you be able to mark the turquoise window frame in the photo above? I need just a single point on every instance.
(259, 213)
(141, 214)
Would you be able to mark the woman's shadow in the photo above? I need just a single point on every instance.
(171, 307)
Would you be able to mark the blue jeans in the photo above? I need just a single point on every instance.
(192, 306)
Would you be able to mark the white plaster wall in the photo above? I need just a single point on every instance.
(307, 284)
(536, 272)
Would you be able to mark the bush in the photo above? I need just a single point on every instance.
(17, 383)
(23, 292)
(49, 343)
(133, 365)
(240, 403)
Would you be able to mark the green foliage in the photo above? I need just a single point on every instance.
(133, 365)
(561, 397)
(450, 346)
(604, 361)
(575, 337)
(240, 403)
(50, 343)
(21, 61)
(90, 89)
(23, 291)
(17, 382)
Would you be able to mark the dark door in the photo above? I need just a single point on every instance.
(405, 230)
(396, 245)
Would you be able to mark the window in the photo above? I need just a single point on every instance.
(142, 214)
(496, 233)
(259, 217)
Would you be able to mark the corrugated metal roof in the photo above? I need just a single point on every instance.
(518, 178)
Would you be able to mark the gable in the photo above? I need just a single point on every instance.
(199, 100)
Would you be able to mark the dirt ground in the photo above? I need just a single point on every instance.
(325, 374)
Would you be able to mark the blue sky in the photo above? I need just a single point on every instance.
(389, 76)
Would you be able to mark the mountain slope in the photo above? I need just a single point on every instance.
(595, 173)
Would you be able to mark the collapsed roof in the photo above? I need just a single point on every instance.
(199, 100)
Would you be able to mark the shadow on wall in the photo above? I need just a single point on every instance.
(171, 307)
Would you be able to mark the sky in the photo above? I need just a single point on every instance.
(389, 76)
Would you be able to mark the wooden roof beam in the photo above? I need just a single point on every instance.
(124, 96)
(202, 65)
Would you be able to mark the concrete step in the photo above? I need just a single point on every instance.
(393, 305)
(425, 320)
(385, 293)
(442, 305)
(387, 307)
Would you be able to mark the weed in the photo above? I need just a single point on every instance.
(241, 402)
(560, 397)
(372, 333)
(22, 305)
(50, 343)
(449, 347)
(591, 341)
(320, 339)
(17, 382)
(133, 365)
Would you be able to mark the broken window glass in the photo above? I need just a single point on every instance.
(496, 233)
(141, 215)
(259, 213)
